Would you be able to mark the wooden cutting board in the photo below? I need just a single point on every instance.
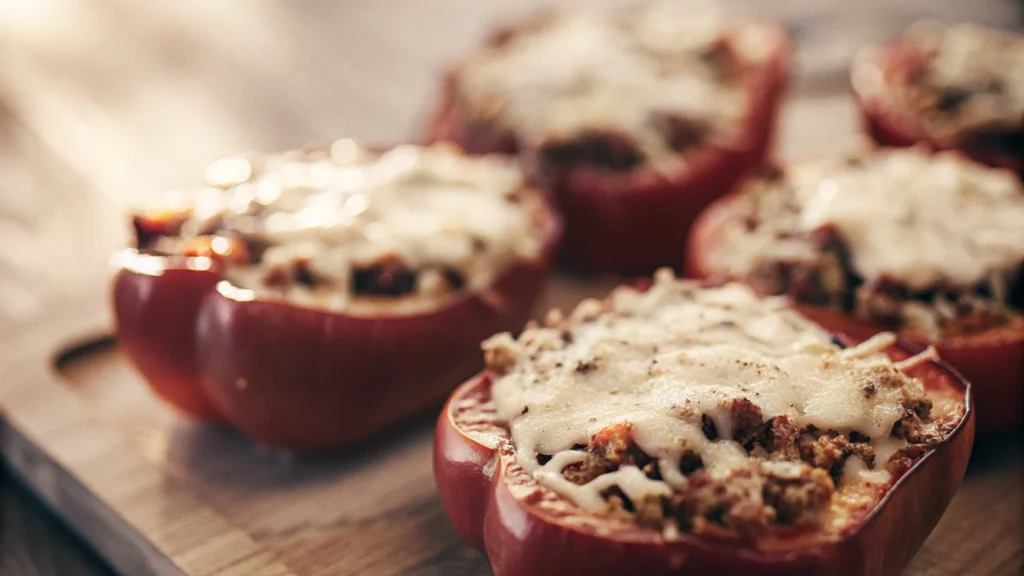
(157, 494)
(104, 103)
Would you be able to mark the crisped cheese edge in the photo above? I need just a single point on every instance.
(660, 360)
(923, 220)
(430, 207)
(612, 69)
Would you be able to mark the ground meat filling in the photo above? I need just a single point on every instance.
(795, 492)
(413, 224)
(387, 278)
(789, 482)
(962, 83)
(745, 474)
(828, 279)
(816, 267)
(607, 150)
(615, 152)
(615, 90)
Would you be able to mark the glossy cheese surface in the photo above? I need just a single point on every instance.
(905, 215)
(660, 361)
(423, 209)
(624, 71)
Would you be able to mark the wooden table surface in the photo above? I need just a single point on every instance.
(106, 103)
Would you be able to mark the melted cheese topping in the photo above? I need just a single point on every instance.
(973, 77)
(660, 360)
(922, 220)
(596, 71)
(429, 207)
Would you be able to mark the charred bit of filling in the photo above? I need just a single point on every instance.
(614, 152)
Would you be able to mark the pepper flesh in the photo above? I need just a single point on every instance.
(305, 378)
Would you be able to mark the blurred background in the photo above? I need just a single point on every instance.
(107, 103)
(120, 100)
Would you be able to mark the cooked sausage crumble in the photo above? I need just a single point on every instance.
(962, 82)
(927, 244)
(348, 226)
(703, 410)
(618, 88)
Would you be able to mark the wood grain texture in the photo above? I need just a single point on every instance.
(228, 506)
(105, 103)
